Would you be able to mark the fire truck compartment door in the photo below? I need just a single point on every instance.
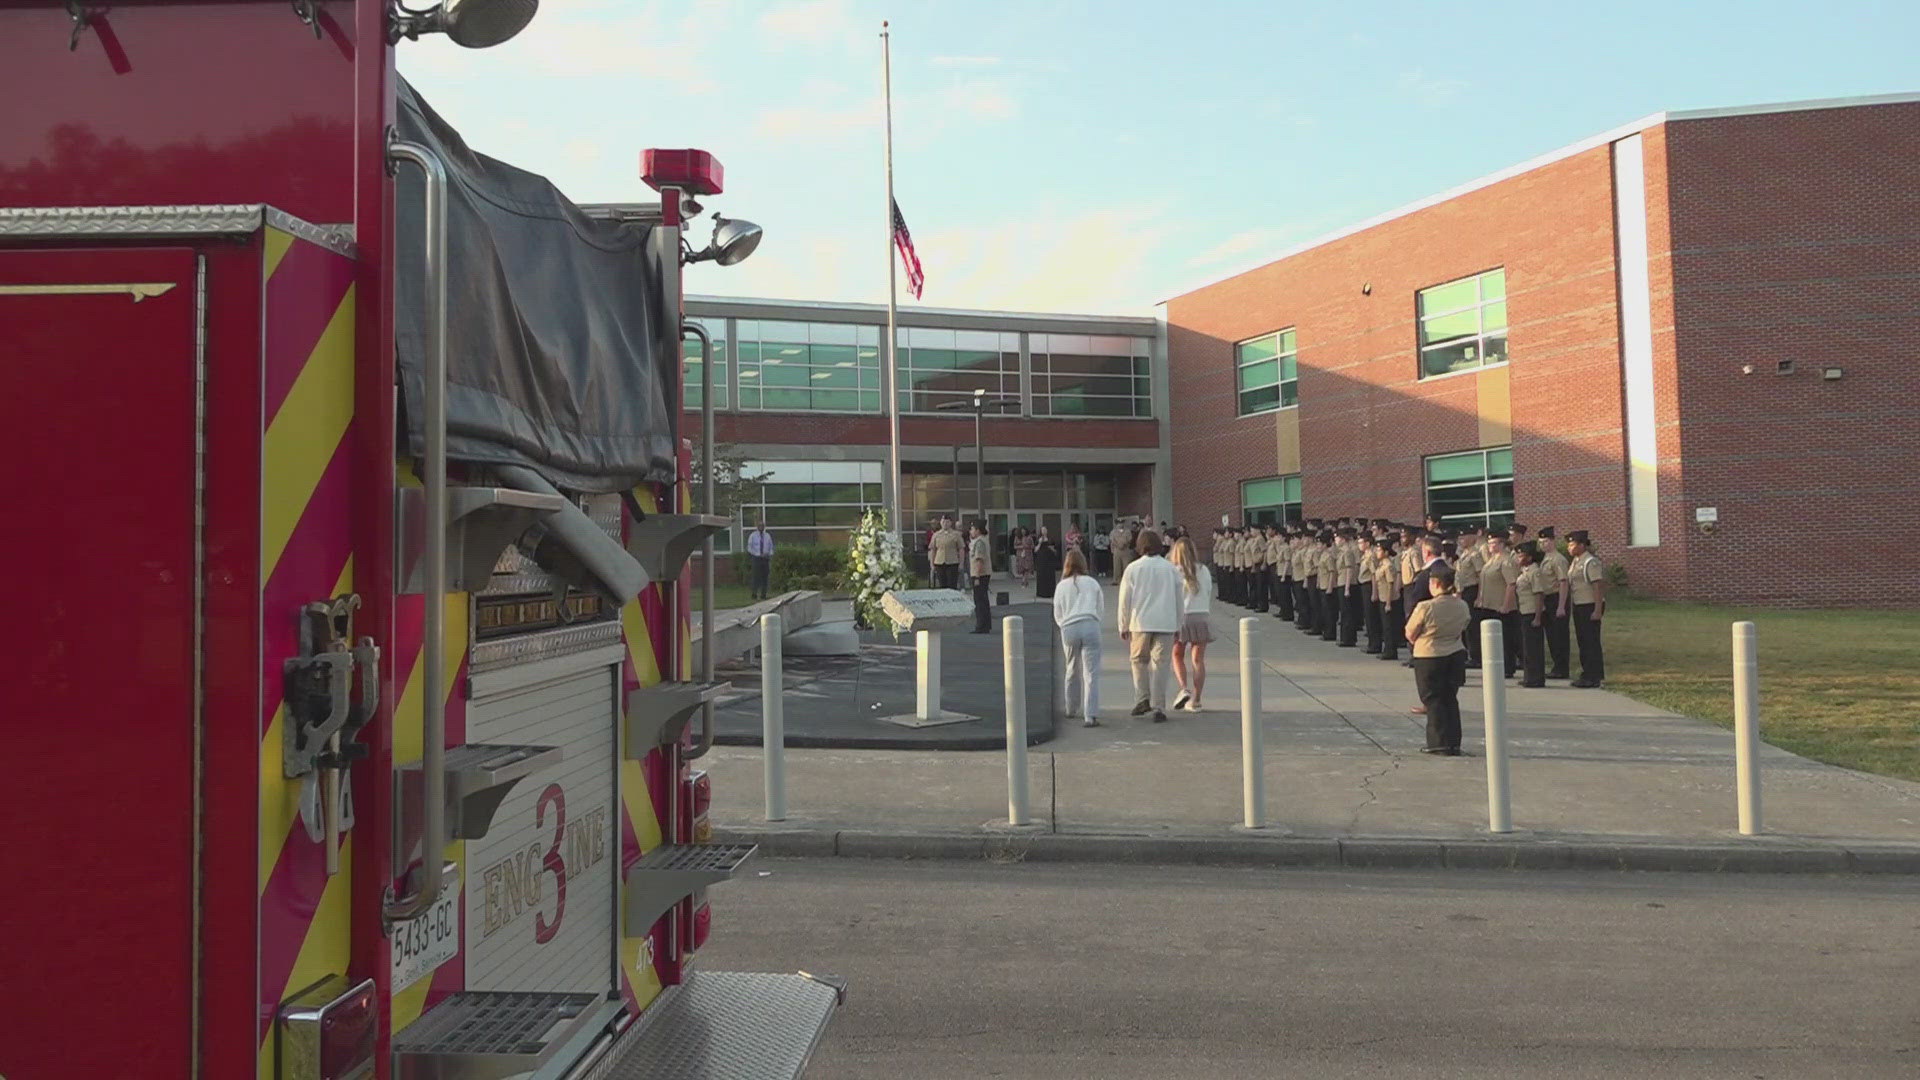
(540, 911)
(97, 429)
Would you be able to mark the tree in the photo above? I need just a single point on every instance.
(735, 483)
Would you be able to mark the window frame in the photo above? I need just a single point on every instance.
(1487, 516)
(1040, 354)
(1290, 508)
(1280, 358)
(1479, 337)
(859, 331)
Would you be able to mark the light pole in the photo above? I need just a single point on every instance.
(979, 403)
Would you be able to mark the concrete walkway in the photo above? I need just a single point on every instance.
(1342, 762)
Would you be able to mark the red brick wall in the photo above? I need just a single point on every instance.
(1796, 236)
(1366, 421)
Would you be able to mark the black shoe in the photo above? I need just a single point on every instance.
(1533, 685)
(1471, 666)
(1559, 675)
(1372, 650)
(1407, 662)
(1585, 685)
(1433, 749)
(1451, 751)
(1348, 645)
(1388, 656)
(1159, 717)
(1141, 708)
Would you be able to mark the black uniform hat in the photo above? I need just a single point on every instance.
(1515, 527)
(1326, 536)
(1530, 549)
(1545, 533)
(1346, 532)
(1579, 536)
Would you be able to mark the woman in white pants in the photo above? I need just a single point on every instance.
(1079, 606)
(1190, 643)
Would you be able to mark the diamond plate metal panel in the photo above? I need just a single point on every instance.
(138, 221)
(726, 1025)
(544, 645)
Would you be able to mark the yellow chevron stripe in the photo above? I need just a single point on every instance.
(302, 436)
(279, 796)
(636, 973)
(326, 949)
(277, 246)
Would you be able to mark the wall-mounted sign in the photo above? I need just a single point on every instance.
(1704, 514)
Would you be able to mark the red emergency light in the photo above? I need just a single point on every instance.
(692, 171)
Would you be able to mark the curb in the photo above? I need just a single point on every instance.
(1372, 853)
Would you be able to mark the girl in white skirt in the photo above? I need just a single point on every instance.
(1190, 643)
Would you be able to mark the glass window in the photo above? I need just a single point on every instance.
(1463, 324)
(690, 374)
(944, 367)
(812, 503)
(1273, 498)
(1475, 487)
(1081, 375)
(1268, 373)
(813, 367)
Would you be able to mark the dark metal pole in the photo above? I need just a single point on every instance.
(979, 464)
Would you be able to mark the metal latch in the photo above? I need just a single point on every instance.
(324, 712)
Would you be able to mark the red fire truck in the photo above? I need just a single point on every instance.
(352, 721)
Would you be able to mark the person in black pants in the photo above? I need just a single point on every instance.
(979, 567)
(1352, 606)
(1439, 660)
(1392, 623)
(1369, 576)
(1587, 587)
(1555, 617)
(1529, 618)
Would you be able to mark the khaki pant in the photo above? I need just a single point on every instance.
(1152, 657)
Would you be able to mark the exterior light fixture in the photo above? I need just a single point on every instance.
(473, 24)
(1832, 373)
(733, 240)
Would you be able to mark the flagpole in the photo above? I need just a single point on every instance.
(889, 372)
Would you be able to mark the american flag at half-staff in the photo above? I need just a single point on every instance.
(903, 240)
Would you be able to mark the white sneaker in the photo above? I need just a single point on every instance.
(1192, 706)
(1181, 701)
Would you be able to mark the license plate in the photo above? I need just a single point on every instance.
(426, 941)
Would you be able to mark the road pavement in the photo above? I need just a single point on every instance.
(1011, 970)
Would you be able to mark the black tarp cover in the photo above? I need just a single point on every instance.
(559, 355)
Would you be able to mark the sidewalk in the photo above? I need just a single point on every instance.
(1589, 768)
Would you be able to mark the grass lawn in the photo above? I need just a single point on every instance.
(1836, 686)
(739, 596)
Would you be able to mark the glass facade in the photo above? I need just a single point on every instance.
(1273, 499)
(808, 367)
(1267, 373)
(813, 503)
(690, 373)
(1463, 324)
(1082, 375)
(1475, 487)
(945, 367)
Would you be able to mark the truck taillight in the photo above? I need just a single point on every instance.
(327, 1030)
(702, 925)
(702, 792)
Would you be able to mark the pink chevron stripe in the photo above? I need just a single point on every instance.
(302, 296)
(315, 554)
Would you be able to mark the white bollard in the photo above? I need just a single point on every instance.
(1494, 702)
(926, 675)
(1253, 780)
(1746, 725)
(773, 719)
(1014, 654)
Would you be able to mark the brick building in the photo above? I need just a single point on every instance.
(1074, 429)
(1696, 336)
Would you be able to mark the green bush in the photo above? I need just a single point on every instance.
(791, 565)
(1617, 576)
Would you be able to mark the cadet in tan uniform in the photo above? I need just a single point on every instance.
(1369, 610)
(1466, 574)
(1531, 601)
(1328, 563)
(1587, 593)
(1499, 574)
(1556, 619)
(1347, 559)
(1302, 597)
(1281, 554)
(1386, 590)
(1257, 538)
(944, 551)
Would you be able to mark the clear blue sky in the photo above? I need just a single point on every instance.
(1098, 157)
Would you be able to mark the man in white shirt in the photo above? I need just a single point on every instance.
(1152, 603)
(760, 550)
(979, 567)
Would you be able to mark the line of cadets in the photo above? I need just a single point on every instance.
(1343, 579)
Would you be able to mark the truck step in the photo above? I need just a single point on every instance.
(672, 872)
(726, 1025)
(489, 1035)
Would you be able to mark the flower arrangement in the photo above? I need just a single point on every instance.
(874, 568)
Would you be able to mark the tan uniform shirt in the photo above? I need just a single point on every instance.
(1435, 626)
(1328, 564)
(1346, 562)
(1466, 570)
(1277, 553)
(1257, 550)
(1233, 552)
(1496, 573)
(1581, 575)
(1386, 579)
(1528, 585)
(945, 547)
(1553, 574)
(1409, 564)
